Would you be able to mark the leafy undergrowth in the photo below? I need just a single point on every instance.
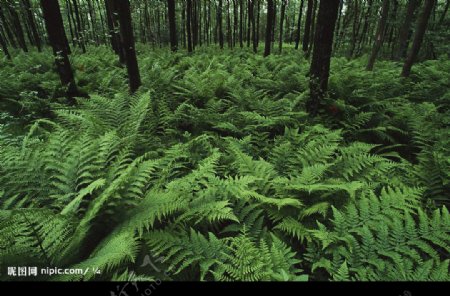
(215, 169)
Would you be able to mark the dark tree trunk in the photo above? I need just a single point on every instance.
(249, 20)
(444, 13)
(32, 22)
(17, 26)
(235, 22)
(269, 27)
(355, 30)
(299, 25)
(313, 29)
(421, 27)
(323, 43)
(365, 27)
(4, 46)
(58, 41)
(404, 33)
(113, 25)
(127, 42)
(257, 22)
(254, 30)
(188, 24)
(241, 23)
(219, 21)
(379, 35)
(307, 32)
(79, 27)
(172, 25)
(229, 35)
(7, 29)
(283, 11)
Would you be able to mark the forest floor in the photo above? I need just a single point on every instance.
(215, 164)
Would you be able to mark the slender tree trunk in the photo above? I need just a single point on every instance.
(58, 41)
(188, 24)
(219, 21)
(313, 30)
(229, 35)
(257, 22)
(299, 25)
(249, 20)
(444, 13)
(269, 27)
(6, 27)
(113, 23)
(254, 32)
(379, 35)
(4, 46)
(365, 27)
(31, 21)
(172, 25)
(235, 22)
(241, 23)
(79, 27)
(307, 32)
(17, 26)
(127, 43)
(323, 43)
(283, 11)
(404, 33)
(421, 27)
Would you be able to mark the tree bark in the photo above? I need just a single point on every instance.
(188, 24)
(323, 43)
(404, 33)
(32, 22)
(379, 35)
(127, 42)
(307, 32)
(172, 25)
(219, 21)
(269, 27)
(7, 29)
(421, 27)
(79, 27)
(4, 46)
(17, 26)
(299, 24)
(282, 14)
(58, 41)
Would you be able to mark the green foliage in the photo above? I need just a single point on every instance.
(215, 168)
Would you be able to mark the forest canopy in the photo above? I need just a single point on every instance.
(228, 140)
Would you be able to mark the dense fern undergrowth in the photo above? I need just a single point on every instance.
(215, 168)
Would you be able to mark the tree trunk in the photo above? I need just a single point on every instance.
(58, 41)
(17, 26)
(269, 27)
(188, 24)
(7, 29)
(172, 25)
(323, 43)
(283, 11)
(379, 35)
(241, 23)
(127, 42)
(4, 46)
(299, 25)
(422, 24)
(31, 21)
(307, 32)
(79, 27)
(404, 33)
(365, 27)
(219, 21)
